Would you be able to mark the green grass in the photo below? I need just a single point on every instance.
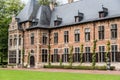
(32, 75)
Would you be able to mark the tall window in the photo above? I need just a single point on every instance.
(77, 54)
(44, 38)
(19, 61)
(12, 57)
(15, 41)
(44, 55)
(114, 49)
(55, 56)
(65, 56)
(77, 35)
(101, 32)
(66, 36)
(10, 42)
(88, 54)
(102, 53)
(114, 31)
(19, 40)
(56, 38)
(32, 39)
(87, 34)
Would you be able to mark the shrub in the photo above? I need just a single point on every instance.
(80, 67)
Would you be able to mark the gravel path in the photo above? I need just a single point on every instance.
(66, 70)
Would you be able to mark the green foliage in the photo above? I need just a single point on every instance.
(7, 9)
(49, 58)
(23, 57)
(71, 56)
(107, 52)
(28, 59)
(81, 53)
(44, 2)
(60, 61)
(38, 75)
(94, 54)
(79, 67)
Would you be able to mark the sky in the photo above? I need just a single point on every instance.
(61, 1)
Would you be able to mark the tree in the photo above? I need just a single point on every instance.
(71, 56)
(94, 54)
(7, 9)
(44, 2)
(47, 2)
(81, 54)
(49, 58)
(108, 50)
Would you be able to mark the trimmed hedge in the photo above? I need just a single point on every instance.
(80, 67)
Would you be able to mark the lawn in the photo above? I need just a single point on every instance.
(32, 75)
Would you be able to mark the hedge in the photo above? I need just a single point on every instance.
(79, 67)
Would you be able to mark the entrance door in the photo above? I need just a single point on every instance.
(32, 61)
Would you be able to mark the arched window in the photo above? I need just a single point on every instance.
(10, 41)
(32, 38)
(15, 40)
(19, 40)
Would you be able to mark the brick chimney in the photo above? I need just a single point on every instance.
(70, 1)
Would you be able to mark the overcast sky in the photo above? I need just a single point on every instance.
(62, 1)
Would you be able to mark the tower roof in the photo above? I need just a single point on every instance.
(29, 11)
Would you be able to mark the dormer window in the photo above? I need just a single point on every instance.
(34, 22)
(58, 21)
(103, 13)
(79, 17)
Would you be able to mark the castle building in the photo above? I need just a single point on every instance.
(39, 33)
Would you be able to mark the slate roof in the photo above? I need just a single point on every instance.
(89, 8)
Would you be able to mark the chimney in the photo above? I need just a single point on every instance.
(70, 1)
(52, 4)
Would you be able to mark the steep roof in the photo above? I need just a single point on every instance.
(29, 11)
(89, 8)
(67, 12)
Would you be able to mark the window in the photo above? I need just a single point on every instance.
(15, 41)
(55, 51)
(77, 54)
(101, 14)
(87, 34)
(77, 50)
(101, 32)
(65, 56)
(44, 38)
(32, 39)
(12, 57)
(102, 53)
(66, 36)
(77, 19)
(77, 35)
(114, 49)
(10, 42)
(55, 38)
(44, 55)
(19, 40)
(55, 56)
(88, 57)
(19, 61)
(114, 31)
